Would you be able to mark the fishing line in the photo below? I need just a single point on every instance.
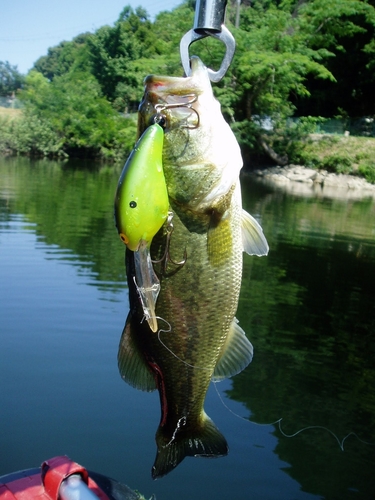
(278, 422)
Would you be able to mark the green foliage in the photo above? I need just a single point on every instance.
(367, 169)
(73, 109)
(339, 164)
(338, 154)
(65, 57)
(29, 135)
(329, 21)
(347, 29)
(285, 51)
(288, 136)
(113, 51)
(281, 48)
(273, 63)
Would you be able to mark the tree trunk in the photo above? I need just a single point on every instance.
(280, 160)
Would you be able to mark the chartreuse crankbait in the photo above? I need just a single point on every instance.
(141, 202)
(141, 208)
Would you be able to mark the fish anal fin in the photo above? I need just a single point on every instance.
(253, 240)
(132, 366)
(235, 355)
(203, 440)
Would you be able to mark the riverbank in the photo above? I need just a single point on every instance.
(303, 181)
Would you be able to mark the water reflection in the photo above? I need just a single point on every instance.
(70, 208)
(308, 308)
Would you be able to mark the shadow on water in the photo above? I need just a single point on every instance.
(308, 308)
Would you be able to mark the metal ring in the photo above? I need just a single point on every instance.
(224, 36)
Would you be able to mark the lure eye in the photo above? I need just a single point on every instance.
(124, 238)
(132, 204)
(160, 119)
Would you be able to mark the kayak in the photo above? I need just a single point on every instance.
(59, 478)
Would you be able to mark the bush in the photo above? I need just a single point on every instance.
(67, 117)
(29, 135)
(337, 164)
(35, 136)
(367, 169)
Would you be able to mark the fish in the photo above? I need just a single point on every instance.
(141, 208)
(197, 255)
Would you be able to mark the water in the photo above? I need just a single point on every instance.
(308, 308)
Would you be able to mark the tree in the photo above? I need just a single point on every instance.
(272, 63)
(113, 49)
(347, 29)
(292, 59)
(65, 57)
(10, 79)
(282, 47)
(73, 106)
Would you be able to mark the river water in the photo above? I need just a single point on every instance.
(300, 420)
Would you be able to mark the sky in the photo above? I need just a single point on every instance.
(29, 27)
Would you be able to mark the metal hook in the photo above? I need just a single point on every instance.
(166, 258)
(159, 108)
(162, 106)
(209, 21)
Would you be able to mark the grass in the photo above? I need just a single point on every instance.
(10, 112)
(339, 154)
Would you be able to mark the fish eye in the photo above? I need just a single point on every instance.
(132, 204)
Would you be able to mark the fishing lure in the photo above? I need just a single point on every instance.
(141, 201)
(141, 208)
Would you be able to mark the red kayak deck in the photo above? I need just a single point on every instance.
(44, 483)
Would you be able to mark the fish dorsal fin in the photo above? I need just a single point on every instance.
(253, 240)
(235, 355)
(131, 364)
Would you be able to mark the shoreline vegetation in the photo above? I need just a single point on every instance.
(322, 162)
(298, 67)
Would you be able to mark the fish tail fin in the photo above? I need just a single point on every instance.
(204, 440)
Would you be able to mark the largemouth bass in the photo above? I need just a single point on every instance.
(197, 255)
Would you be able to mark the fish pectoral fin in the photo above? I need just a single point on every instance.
(201, 440)
(132, 366)
(235, 355)
(253, 240)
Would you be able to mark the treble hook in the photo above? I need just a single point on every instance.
(166, 258)
(209, 21)
(159, 108)
(162, 106)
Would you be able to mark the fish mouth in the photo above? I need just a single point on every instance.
(195, 83)
(173, 99)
